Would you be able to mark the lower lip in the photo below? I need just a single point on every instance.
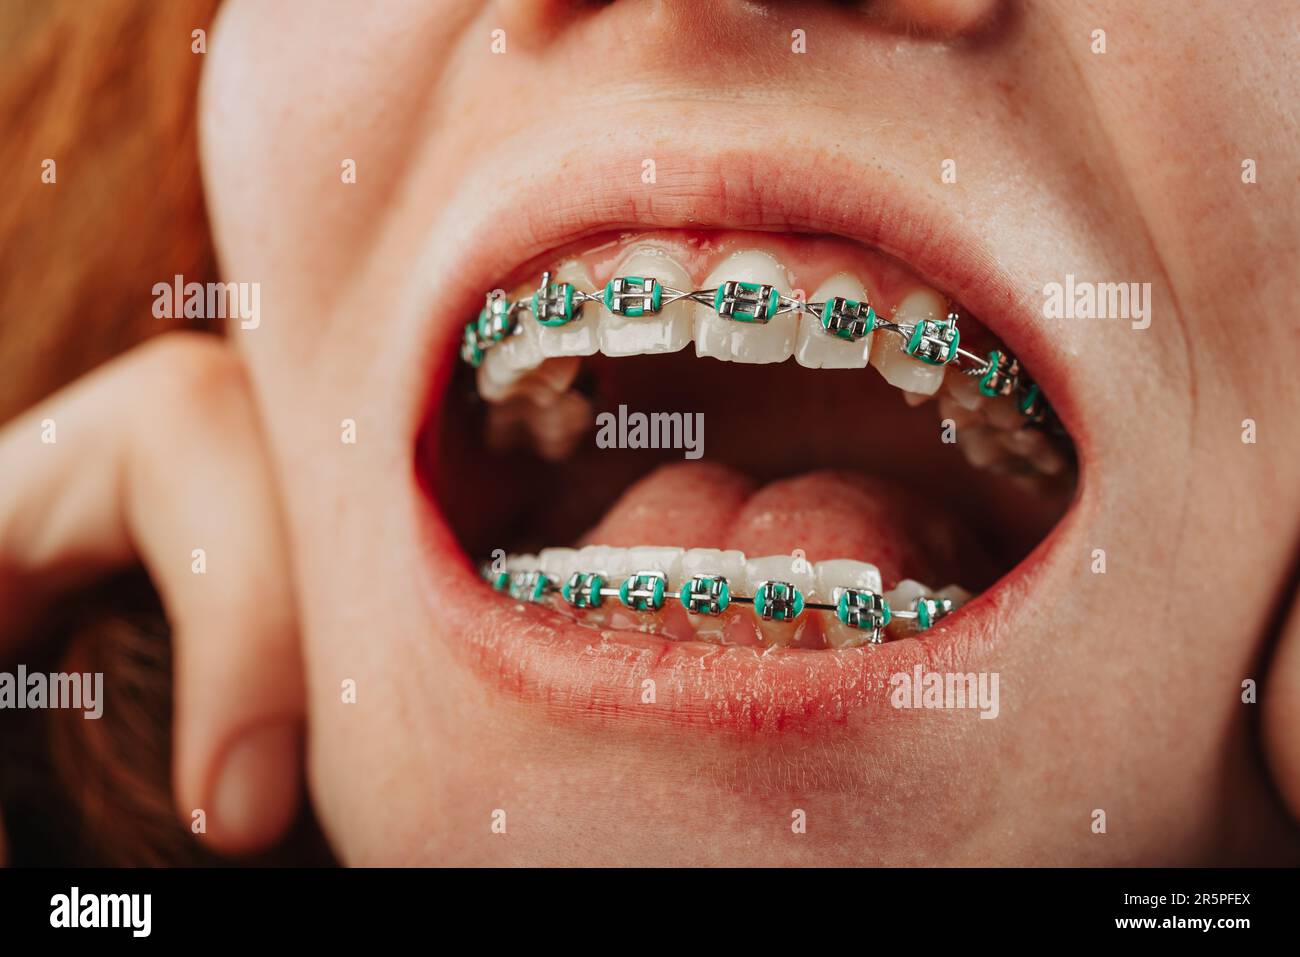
(580, 675)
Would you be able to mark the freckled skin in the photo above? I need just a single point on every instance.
(1119, 691)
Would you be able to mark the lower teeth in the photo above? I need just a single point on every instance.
(781, 609)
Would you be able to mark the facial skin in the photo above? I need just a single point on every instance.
(1120, 692)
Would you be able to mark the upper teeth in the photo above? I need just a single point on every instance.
(745, 313)
(769, 340)
(668, 330)
(900, 369)
(580, 338)
(734, 326)
(816, 349)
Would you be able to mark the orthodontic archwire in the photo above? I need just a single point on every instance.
(932, 341)
(773, 600)
(935, 342)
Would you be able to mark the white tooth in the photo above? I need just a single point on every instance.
(961, 417)
(618, 565)
(542, 385)
(958, 595)
(559, 563)
(815, 347)
(1048, 459)
(595, 558)
(715, 562)
(729, 564)
(550, 380)
(914, 399)
(780, 568)
(556, 429)
(580, 337)
(645, 558)
(558, 374)
(521, 563)
(965, 390)
(1023, 442)
(832, 576)
(1003, 413)
(842, 573)
(746, 341)
(980, 445)
(896, 366)
(668, 331)
(901, 596)
(906, 592)
(521, 351)
(496, 380)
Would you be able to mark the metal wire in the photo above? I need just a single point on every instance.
(963, 360)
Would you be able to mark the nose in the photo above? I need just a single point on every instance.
(942, 18)
(533, 22)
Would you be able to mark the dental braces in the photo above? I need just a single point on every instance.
(932, 341)
(710, 595)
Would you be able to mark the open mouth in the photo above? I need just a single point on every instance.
(628, 447)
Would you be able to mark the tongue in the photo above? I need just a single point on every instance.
(827, 514)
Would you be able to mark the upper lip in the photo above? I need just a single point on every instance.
(598, 189)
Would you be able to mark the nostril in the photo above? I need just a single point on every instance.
(945, 18)
(531, 23)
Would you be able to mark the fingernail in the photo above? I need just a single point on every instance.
(257, 790)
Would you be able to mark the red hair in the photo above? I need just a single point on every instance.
(98, 99)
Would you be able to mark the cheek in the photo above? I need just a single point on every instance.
(306, 125)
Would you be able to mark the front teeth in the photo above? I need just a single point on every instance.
(559, 563)
(669, 331)
(832, 578)
(838, 573)
(778, 576)
(785, 570)
(897, 367)
(793, 569)
(535, 366)
(728, 563)
(581, 337)
(622, 562)
(815, 348)
(597, 329)
(733, 341)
